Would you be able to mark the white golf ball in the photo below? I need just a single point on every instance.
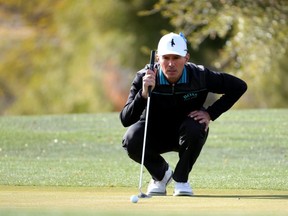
(134, 199)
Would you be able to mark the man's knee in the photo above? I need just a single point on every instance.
(192, 128)
(192, 133)
(133, 142)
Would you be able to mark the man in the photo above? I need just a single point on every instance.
(177, 119)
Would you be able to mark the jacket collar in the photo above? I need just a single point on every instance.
(164, 81)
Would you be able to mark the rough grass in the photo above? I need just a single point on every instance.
(246, 153)
(246, 149)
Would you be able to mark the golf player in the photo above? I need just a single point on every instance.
(177, 120)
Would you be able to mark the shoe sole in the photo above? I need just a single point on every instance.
(183, 193)
(157, 194)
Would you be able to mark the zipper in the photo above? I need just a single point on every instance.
(173, 85)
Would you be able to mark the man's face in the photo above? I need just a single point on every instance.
(172, 66)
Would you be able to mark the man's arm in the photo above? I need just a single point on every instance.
(231, 88)
(135, 103)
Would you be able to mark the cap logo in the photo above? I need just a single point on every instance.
(172, 43)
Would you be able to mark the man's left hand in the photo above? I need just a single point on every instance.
(201, 116)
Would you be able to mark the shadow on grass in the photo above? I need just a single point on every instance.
(284, 197)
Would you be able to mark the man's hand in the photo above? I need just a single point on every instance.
(201, 117)
(148, 80)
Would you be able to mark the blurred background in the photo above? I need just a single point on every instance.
(80, 56)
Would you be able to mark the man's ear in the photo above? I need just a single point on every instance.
(187, 57)
(157, 58)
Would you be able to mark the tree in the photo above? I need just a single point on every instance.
(249, 38)
(43, 58)
(63, 56)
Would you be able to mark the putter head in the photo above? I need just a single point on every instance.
(143, 195)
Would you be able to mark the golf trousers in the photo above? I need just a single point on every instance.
(187, 139)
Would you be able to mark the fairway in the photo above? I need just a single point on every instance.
(75, 165)
(115, 201)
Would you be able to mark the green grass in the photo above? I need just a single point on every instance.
(115, 201)
(71, 150)
(246, 149)
(246, 153)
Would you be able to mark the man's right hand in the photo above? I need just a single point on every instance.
(148, 80)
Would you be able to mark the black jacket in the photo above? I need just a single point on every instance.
(171, 103)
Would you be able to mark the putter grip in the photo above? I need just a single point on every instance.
(151, 67)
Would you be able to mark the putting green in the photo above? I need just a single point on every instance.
(115, 201)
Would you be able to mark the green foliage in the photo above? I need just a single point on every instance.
(251, 37)
(65, 56)
(48, 64)
(59, 56)
(56, 54)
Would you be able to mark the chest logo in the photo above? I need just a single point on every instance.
(190, 96)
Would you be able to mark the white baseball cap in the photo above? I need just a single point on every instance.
(172, 44)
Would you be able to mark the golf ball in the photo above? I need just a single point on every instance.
(134, 199)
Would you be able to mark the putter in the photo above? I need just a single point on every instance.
(151, 67)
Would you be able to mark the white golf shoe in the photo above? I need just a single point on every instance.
(182, 189)
(158, 188)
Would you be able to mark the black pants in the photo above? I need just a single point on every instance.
(187, 139)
